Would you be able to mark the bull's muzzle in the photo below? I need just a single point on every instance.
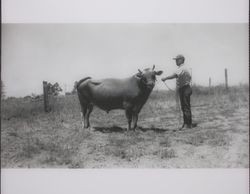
(150, 85)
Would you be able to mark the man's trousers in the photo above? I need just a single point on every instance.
(184, 93)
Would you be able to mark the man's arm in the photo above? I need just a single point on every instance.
(169, 77)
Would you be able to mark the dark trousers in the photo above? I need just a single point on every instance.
(185, 93)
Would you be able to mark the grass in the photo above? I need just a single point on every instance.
(212, 138)
(167, 153)
(32, 138)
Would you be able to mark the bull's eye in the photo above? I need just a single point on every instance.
(153, 77)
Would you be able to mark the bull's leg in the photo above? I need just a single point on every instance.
(129, 118)
(84, 105)
(83, 115)
(89, 110)
(134, 120)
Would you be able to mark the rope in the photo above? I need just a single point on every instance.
(178, 108)
(167, 86)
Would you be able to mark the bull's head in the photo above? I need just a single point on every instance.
(148, 76)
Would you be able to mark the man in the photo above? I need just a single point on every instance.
(183, 80)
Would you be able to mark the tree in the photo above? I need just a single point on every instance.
(74, 89)
(54, 89)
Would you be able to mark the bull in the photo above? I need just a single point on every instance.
(129, 94)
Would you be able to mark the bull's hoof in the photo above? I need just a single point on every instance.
(131, 131)
(85, 127)
(136, 128)
(91, 128)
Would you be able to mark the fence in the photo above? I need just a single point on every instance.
(226, 81)
(47, 107)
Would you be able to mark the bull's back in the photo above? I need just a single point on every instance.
(115, 88)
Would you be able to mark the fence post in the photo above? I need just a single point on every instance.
(226, 79)
(45, 96)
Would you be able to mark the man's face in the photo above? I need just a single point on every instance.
(179, 61)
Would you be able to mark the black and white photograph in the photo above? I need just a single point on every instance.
(125, 95)
(135, 96)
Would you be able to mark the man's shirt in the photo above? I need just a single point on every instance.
(183, 76)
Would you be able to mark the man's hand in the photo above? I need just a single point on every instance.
(163, 79)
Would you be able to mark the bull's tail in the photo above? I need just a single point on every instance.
(82, 80)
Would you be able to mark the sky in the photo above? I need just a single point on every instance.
(65, 53)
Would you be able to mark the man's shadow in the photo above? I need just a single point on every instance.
(116, 129)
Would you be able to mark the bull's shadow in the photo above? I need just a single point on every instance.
(116, 129)
(113, 129)
(155, 129)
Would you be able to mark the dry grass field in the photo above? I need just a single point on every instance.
(31, 138)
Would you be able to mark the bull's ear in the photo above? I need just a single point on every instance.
(139, 74)
(153, 67)
(158, 72)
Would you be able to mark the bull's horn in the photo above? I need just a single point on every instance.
(153, 67)
(139, 71)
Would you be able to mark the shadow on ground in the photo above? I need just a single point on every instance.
(110, 129)
(155, 129)
(117, 129)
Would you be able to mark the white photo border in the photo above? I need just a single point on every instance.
(188, 181)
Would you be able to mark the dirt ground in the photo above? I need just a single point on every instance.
(31, 138)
